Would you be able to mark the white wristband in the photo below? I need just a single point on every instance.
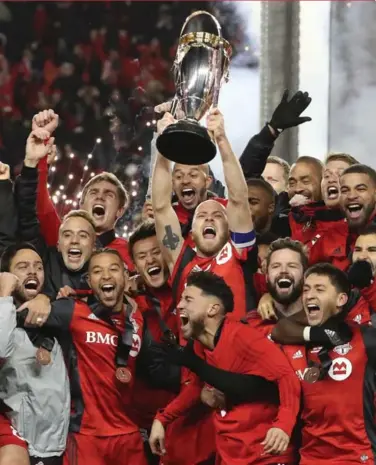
(307, 333)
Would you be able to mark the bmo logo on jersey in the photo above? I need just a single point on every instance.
(340, 369)
(95, 337)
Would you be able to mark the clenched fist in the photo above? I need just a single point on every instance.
(4, 172)
(8, 283)
(46, 119)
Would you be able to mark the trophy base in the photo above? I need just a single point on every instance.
(186, 142)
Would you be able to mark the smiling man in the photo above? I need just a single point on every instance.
(337, 419)
(23, 374)
(103, 341)
(358, 196)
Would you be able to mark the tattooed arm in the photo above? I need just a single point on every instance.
(166, 222)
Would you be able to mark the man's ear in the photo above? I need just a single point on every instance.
(120, 213)
(208, 181)
(213, 310)
(342, 299)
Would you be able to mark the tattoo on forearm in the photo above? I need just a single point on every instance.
(170, 240)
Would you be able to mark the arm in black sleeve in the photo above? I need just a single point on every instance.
(253, 159)
(26, 200)
(333, 333)
(369, 340)
(59, 319)
(8, 215)
(237, 387)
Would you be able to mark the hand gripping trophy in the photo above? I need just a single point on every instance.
(201, 66)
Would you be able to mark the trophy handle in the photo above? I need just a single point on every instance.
(218, 75)
(174, 106)
(203, 12)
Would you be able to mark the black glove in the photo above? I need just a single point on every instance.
(333, 333)
(287, 114)
(360, 274)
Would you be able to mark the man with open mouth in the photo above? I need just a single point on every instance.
(38, 424)
(103, 196)
(260, 431)
(102, 342)
(336, 415)
(320, 223)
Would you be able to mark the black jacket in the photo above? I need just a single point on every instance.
(8, 215)
(56, 273)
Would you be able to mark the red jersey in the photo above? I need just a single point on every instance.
(227, 264)
(337, 415)
(99, 400)
(324, 231)
(241, 429)
(146, 401)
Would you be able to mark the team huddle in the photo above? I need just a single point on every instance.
(229, 329)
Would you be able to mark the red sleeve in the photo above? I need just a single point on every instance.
(48, 218)
(268, 361)
(188, 397)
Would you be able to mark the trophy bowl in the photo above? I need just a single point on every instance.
(201, 65)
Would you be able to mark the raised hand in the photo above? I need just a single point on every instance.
(38, 145)
(8, 283)
(287, 114)
(46, 119)
(4, 171)
(216, 124)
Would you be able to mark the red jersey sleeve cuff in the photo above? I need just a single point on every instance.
(164, 418)
(285, 423)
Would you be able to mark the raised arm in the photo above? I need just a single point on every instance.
(238, 211)
(166, 222)
(8, 211)
(26, 189)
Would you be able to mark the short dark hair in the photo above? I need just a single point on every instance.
(107, 250)
(340, 156)
(337, 277)
(318, 165)
(281, 162)
(368, 230)
(10, 252)
(266, 239)
(261, 183)
(361, 169)
(213, 285)
(288, 243)
(144, 230)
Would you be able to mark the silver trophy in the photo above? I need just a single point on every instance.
(201, 66)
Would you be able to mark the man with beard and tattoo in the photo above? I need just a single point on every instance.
(224, 238)
(212, 229)
(66, 263)
(256, 432)
(34, 389)
(103, 197)
(337, 379)
(195, 184)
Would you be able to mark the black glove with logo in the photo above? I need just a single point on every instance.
(287, 114)
(334, 332)
(360, 274)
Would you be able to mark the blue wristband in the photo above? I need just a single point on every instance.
(243, 240)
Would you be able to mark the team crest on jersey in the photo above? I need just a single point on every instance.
(315, 350)
(358, 319)
(224, 255)
(340, 369)
(343, 349)
(136, 346)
